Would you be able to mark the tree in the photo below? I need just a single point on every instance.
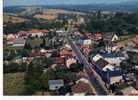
(13, 67)
(27, 46)
(48, 75)
(126, 65)
(25, 53)
(76, 67)
(65, 89)
(42, 45)
(35, 78)
(32, 78)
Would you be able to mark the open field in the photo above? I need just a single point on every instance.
(13, 84)
(14, 19)
(43, 16)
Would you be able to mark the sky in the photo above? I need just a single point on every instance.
(54, 2)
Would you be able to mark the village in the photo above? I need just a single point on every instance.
(47, 56)
(70, 50)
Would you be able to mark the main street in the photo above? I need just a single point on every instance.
(93, 77)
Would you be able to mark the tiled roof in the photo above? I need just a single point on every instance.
(37, 31)
(135, 40)
(81, 87)
(22, 33)
(65, 52)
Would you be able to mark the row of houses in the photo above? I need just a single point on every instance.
(108, 36)
(19, 39)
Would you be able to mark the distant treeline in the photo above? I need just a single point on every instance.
(13, 9)
(34, 24)
(120, 23)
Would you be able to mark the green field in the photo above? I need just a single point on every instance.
(13, 84)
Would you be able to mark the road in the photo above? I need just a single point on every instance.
(93, 77)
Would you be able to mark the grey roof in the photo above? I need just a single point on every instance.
(19, 41)
(101, 63)
(111, 55)
(54, 82)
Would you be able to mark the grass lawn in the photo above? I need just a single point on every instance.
(13, 84)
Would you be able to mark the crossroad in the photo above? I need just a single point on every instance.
(93, 77)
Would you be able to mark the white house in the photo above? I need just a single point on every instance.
(70, 61)
(111, 36)
(87, 42)
(39, 33)
(109, 73)
(111, 58)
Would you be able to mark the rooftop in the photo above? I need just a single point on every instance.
(37, 31)
(81, 87)
(19, 41)
(135, 40)
(54, 82)
(102, 63)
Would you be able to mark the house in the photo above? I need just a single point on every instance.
(110, 36)
(70, 61)
(113, 58)
(87, 42)
(109, 73)
(68, 47)
(65, 52)
(10, 37)
(104, 65)
(23, 34)
(82, 87)
(19, 42)
(55, 84)
(39, 33)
